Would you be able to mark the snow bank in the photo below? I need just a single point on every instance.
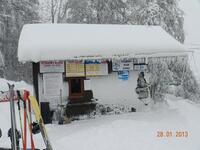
(18, 85)
(66, 41)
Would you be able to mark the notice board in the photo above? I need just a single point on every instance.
(53, 86)
(51, 66)
(122, 65)
(96, 69)
(75, 69)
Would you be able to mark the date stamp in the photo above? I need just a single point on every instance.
(170, 134)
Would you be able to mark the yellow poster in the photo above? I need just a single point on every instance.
(75, 69)
(96, 69)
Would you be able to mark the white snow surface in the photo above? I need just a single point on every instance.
(66, 41)
(122, 132)
(21, 85)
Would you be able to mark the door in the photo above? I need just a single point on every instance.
(76, 89)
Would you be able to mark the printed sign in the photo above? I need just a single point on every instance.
(141, 60)
(140, 67)
(87, 84)
(116, 65)
(51, 66)
(75, 69)
(53, 86)
(123, 75)
(96, 69)
(119, 65)
(126, 64)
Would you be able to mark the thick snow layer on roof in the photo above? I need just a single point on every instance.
(66, 41)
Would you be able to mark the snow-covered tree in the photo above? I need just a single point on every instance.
(141, 12)
(161, 12)
(160, 78)
(13, 15)
(184, 78)
(53, 11)
(172, 71)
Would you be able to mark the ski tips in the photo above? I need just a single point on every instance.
(11, 85)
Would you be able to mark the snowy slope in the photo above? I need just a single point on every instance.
(128, 131)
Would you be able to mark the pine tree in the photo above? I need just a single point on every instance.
(14, 15)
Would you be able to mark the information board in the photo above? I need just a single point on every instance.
(53, 86)
(116, 65)
(51, 66)
(140, 67)
(123, 75)
(87, 85)
(75, 69)
(120, 65)
(93, 69)
(126, 65)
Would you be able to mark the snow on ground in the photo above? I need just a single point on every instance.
(127, 131)
(134, 130)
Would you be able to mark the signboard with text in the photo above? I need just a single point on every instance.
(75, 69)
(119, 65)
(140, 67)
(96, 69)
(123, 75)
(53, 86)
(51, 66)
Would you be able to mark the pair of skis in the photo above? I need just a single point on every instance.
(27, 118)
(13, 129)
(11, 96)
(32, 103)
(38, 116)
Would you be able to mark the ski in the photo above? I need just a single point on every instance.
(20, 119)
(39, 120)
(13, 120)
(26, 96)
(27, 113)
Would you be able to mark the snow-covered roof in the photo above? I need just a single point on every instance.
(67, 41)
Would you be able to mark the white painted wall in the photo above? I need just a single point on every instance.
(110, 90)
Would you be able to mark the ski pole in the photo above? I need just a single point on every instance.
(20, 119)
(26, 96)
(13, 120)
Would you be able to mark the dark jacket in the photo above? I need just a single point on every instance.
(141, 82)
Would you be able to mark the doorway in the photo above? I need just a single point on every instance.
(76, 88)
